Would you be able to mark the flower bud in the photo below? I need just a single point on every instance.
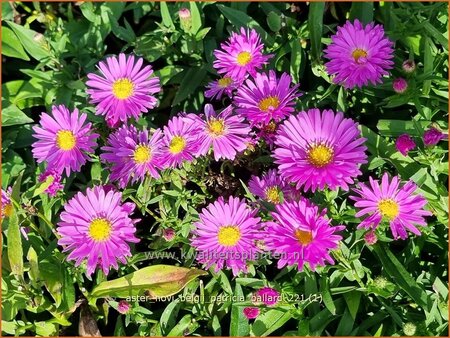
(409, 66)
(400, 85)
(432, 137)
(370, 238)
(185, 19)
(404, 144)
(409, 329)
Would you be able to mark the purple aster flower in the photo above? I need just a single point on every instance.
(315, 150)
(225, 235)
(124, 89)
(400, 85)
(266, 98)
(54, 180)
(404, 144)
(299, 234)
(240, 55)
(96, 226)
(180, 141)
(64, 140)
(133, 154)
(359, 54)
(217, 88)
(397, 205)
(270, 187)
(227, 134)
(432, 137)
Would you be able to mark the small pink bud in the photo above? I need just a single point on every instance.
(404, 144)
(400, 85)
(432, 137)
(370, 238)
(168, 234)
(123, 307)
(251, 312)
(409, 66)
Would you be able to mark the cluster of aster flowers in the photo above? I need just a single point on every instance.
(313, 150)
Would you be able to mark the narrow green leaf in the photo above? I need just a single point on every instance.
(192, 79)
(296, 60)
(14, 248)
(270, 321)
(153, 281)
(362, 11)
(169, 316)
(274, 21)
(239, 323)
(353, 299)
(326, 294)
(10, 47)
(315, 25)
(181, 327)
(400, 275)
(196, 18)
(398, 127)
(27, 38)
(241, 19)
(12, 115)
(428, 61)
(165, 15)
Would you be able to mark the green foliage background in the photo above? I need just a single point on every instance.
(47, 50)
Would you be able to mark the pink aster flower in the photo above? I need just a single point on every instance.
(180, 141)
(404, 144)
(217, 88)
(299, 234)
(7, 206)
(400, 85)
(225, 235)
(250, 312)
(315, 150)
(64, 140)
(227, 133)
(359, 54)
(124, 89)
(54, 180)
(96, 226)
(133, 154)
(266, 295)
(432, 137)
(240, 55)
(397, 205)
(270, 187)
(266, 98)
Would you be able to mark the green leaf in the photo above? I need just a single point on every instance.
(165, 15)
(12, 115)
(353, 299)
(192, 79)
(27, 38)
(398, 127)
(154, 281)
(274, 21)
(240, 19)
(10, 47)
(270, 321)
(43, 186)
(239, 323)
(296, 60)
(196, 18)
(166, 73)
(362, 11)
(180, 329)
(326, 294)
(315, 25)
(400, 276)
(52, 274)
(14, 248)
(169, 317)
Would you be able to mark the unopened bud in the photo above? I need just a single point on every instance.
(400, 85)
(409, 66)
(185, 19)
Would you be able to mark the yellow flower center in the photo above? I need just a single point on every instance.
(123, 89)
(358, 53)
(388, 208)
(216, 127)
(65, 140)
(320, 155)
(7, 209)
(273, 195)
(142, 154)
(229, 235)
(243, 58)
(303, 237)
(177, 145)
(225, 82)
(269, 103)
(100, 229)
